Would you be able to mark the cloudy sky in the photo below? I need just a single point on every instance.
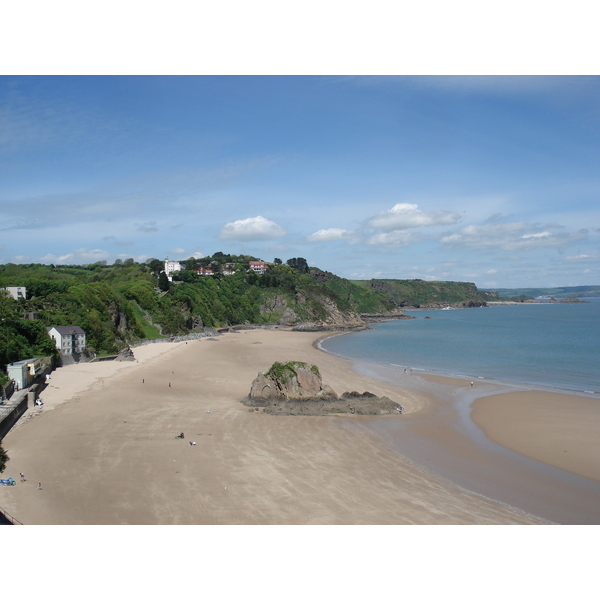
(494, 180)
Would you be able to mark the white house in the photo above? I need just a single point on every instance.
(68, 338)
(171, 266)
(17, 293)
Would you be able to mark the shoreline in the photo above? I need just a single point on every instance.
(435, 373)
(484, 456)
(248, 468)
(487, 423)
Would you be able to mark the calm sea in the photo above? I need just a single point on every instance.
(551, 345)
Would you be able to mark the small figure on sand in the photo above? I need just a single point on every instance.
(39, 486)
(22, 476)
(181, 435)
(471, 384)
(192, 443)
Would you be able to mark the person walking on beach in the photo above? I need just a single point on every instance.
(471, 384)
(39, 486)
(22, 476)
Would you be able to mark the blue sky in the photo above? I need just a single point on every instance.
(494, 180)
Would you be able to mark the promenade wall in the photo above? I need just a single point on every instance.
(10, 412)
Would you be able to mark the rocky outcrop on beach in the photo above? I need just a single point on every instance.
(296, 388)
(290, 381)
(125, 354)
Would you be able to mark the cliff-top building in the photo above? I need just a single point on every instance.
(258, 266)
(171, 266)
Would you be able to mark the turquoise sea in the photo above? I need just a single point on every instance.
(549, 345)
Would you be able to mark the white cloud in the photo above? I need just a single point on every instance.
(85, 254)
(177, 251)
(512, 236)
(405, 216)
(252, 229)
(542, 234)
(581, 258)
(79, 256)
(52, 258)
(330, 235)
(394, 238)
(147, 227)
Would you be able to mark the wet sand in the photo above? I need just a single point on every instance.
(557, 429)
(107, 452)
(501, 440)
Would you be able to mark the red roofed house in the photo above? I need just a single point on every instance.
(258, 266)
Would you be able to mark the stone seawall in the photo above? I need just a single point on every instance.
(177, 338)
(10, 414)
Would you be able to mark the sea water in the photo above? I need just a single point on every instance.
(545, 344)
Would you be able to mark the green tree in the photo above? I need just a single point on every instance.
(155, 265)
(187, 276)
(299, 264)
(163, 281)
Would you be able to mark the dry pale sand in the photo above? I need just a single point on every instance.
(107, 452)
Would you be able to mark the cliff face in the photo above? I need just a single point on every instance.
(276, 309)
(428, 294)
(334, 316)
(316, 308)
(118, 317)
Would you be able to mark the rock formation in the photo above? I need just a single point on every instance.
(125, 354)
(296, 388)
(289, 381)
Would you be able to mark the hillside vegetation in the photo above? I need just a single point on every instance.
(417, 293)
(580, 291)
(117, 305)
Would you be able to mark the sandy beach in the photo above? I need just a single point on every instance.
(104, 446)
